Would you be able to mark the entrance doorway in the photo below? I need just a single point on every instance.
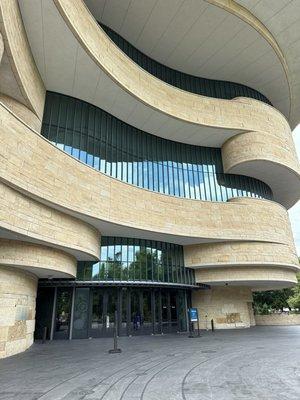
(83, 312)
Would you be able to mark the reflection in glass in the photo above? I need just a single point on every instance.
(139, 158)
(128, 259)
(97, 310)
(63, 310)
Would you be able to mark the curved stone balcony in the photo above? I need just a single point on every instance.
(60, 181)
(247, 119)
(135, 96)
(54, 207)
(60, 186)
(255, 264)
(42, 261)
(65, 185)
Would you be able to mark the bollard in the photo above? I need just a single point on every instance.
(212, 325)
(198, 326)
(44, 334)
(191, 332)
(115, 349)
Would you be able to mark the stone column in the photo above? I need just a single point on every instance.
(227, 306)
(18, 290)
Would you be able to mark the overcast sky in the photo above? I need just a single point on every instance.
(295, 211)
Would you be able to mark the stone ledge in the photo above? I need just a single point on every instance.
(278, 319)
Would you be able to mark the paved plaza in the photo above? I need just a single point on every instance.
(258, 363)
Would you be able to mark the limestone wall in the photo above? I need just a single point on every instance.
(157, 94)
(53, 200)
(270, 157)
(240, 253)
(265, 127)
(21, 263)
(20, 57)
(254, 276)
(33, 221)
(255, 263)
(17, 310)
(229, 307)
(56, 178)
(43, 261)
(26, 115)
(278, 319)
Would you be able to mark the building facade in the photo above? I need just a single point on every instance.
(147, 166)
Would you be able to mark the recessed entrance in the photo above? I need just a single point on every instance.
(83, 312)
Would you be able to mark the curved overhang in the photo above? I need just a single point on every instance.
(42, 261)
(216, 39)
(78, 48)
(252, 264)
(282, 20)
(253, 235)
(115, 208)
(214, 255)
(242, 40)
(256, 277)
(124, 89)
(270, 157)
(24, 219)
(19, 70)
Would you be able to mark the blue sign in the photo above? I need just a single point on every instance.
(193, 313)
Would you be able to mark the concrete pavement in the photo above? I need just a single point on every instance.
(258, 363)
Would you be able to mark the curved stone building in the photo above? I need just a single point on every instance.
(147, 164)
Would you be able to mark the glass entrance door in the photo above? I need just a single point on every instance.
(62, 313)
(97, 315)
(141, 311)
(110, 305)
(102, 305)
(44, 307)
(81, 313)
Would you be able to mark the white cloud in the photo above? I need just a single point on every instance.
(294, 212)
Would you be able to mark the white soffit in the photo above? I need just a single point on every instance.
(200, 39)
(66, 68)
(282, 19)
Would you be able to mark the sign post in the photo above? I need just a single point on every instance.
(115, 349)
(193, 317)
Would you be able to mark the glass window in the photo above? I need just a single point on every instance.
(137, 260)
(119, 150)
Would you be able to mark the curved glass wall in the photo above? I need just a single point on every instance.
(128, 259)
(206, 87)
(126, 153)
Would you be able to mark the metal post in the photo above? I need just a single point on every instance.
(44, 334)
(160, 313)
(115, 349)
(191, 326)
(119, 309)
(53, 314)
(212, 325)
(186, 311)
(128, 313)
(169, 324)
(153, 311)
(72, 314)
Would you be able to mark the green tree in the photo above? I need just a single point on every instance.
(294, 299)
(113, 268)
(272, 299)
(141, 268)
